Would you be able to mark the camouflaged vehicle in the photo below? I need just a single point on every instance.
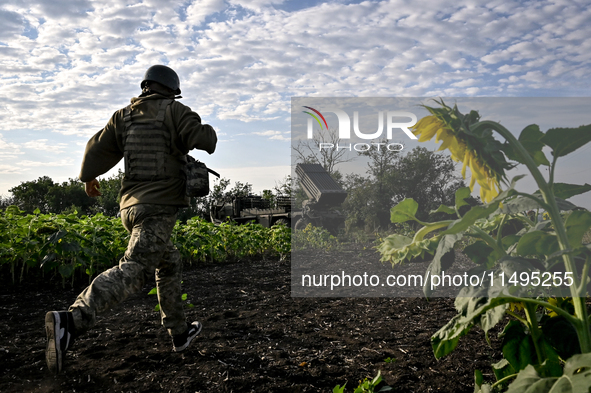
(325, 197)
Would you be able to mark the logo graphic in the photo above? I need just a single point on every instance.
(392, 121)
(319, 114)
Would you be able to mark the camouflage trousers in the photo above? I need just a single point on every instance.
(149, 253)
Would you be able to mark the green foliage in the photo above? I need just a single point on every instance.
(575, 378)
(314, 238)
(62, 243)
(369, 386)
(366, 386)
(50, 197)
(201, 207)
(71, 247)
(428, 178)
(545, 331)
(199, 240)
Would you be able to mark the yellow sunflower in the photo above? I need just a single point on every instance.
(463, 148)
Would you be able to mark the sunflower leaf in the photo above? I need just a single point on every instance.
(530, 139)
(566, 140)
(565, 191)
(404, 211)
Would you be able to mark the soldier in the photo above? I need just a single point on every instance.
(153, 135)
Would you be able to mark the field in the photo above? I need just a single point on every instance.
(256, 338)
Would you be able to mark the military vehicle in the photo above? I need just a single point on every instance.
(254, 208)
(325, 196)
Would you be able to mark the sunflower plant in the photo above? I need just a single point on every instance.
(519, 242)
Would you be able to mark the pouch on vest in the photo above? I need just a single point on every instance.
(197, 177)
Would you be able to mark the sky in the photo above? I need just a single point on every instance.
(67, 65)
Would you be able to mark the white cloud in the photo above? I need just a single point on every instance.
(199, 10)
(10, 169)
(278, 135)
(34, 164)
(465, 83)
(8, 149)
(12, 24)
(42, 145)
(256, 5)
(66, 66)
(246, 67)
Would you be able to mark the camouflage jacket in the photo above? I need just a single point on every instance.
(105, 149)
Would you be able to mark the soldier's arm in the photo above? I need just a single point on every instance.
(192, 133)
(102, 153)
(92, 188)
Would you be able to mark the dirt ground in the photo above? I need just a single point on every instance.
(256, 338)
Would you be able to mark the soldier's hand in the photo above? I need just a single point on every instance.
(92, 188)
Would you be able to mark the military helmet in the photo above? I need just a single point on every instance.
(163, 75)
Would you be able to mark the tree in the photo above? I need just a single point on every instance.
(31, 195)
(69, 196)
(311, 152)
(381, 164)
(201, 207)
(50, 197)
(6, 201)
(427, 177)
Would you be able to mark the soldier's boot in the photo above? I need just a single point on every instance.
(59, 327)
(180, 342)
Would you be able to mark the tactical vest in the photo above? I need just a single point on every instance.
(146, 147)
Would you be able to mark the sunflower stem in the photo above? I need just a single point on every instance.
(518, 317)
(540, 202)
(490, 241)
(582, 327)
(534, 329)
(552, 167)
(572, 319)
(500, 231)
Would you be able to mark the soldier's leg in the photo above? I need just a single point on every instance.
(168, 282)
(150, 227)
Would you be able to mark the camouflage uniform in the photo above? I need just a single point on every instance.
(148, 212)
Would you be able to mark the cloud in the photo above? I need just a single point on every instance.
(199, 10)
(42, 145)
(34, 164)
(256, 5)
(10, 169)
(276, 135)
(8, 149)
(67, 65)
(246, 65)
(12, 24)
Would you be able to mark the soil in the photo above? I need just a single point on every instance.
(256, 338)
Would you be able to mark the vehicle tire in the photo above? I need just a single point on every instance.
(283, 221)
(301, 224)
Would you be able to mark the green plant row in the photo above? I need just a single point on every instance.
(201, 241)
(71, 247)
(547, 342)
(314, 238)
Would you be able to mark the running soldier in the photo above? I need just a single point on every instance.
(153, 135)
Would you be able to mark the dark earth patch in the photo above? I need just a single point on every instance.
(256, 338)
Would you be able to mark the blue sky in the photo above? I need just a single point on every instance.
(66, 66)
